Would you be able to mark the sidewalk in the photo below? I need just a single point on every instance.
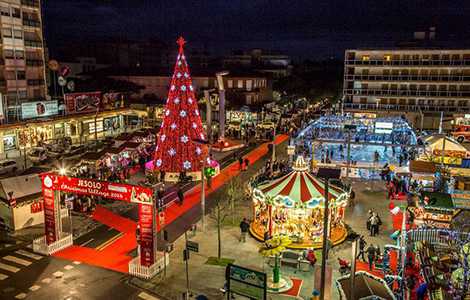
(207, 279)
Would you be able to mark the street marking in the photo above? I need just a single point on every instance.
(9, 268)
(110, 228)
(21, 296)
(110, 241)
(29, 254)
(3, 276)
(46, 280)
(77, 262)
(34, 288)
(17, 260)
(7, 245)
(146, 296)
(58, 274)
(92, 239)
(18, 242)
(30, 246)
(68, 267)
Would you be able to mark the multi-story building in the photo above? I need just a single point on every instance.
(264, 62)
(22, 65)
(418, 83)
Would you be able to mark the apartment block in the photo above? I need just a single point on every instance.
(22, 65)
(418, 83)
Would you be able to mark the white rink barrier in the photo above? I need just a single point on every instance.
(65, 240)
(136, 269)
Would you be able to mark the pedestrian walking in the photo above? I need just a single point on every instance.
(362, 246)
(160, 194)
(374, 221)
(246, 163)
(240, 163)
(180, 196)
(234, 156)
(244, 225)
(352, 196)
(410, 285)
(162, 175)
(371, 256)
(369, 216)
(379, 223)
(89, 206)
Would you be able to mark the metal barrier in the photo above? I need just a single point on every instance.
(136, 269)
(434, 236)
(40, 246)
(64, 212)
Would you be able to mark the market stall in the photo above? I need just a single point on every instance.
(425, 173)
(366, 286)
(434, 210)
(455, 154)
(293, 205)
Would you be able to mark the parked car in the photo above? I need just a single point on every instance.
(266, 126)
(108, 141)
(37, 155)
(75, 150)
(7, 166)
(92, 145)
(461, 133)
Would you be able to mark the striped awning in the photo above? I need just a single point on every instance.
(299, 186)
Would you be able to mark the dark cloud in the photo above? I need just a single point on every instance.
(301, 28)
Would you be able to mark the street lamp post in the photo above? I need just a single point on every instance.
(327, 174)
(348, 158)
(220, 85)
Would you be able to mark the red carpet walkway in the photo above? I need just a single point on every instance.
(114, 256)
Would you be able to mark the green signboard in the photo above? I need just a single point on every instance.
(247, 282)
(461, 199)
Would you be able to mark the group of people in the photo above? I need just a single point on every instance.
(373, 222)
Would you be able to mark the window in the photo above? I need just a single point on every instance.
(215, 82)
(18, 34)
(15, 12)
(365, 57)
(206, 83)
(22, 94)
(462, 103)
(248, 85)
(435, 56)
(21, 75)
(11, 75)
(230, 84)
(7, 32)
(9, 54)
(386, 57)
(37, 94)
(19, 54)
(240, 84)
(5, 10)
(149, 82)
(32, 55)
(455, 56)
(425, 57)
(415, 56)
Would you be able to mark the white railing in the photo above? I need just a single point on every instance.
(64, 240)
(433, 236)
(64, 212)
(136, 269)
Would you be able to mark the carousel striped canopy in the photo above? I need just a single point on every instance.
(299, 186)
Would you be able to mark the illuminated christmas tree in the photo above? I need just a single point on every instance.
(181, 124)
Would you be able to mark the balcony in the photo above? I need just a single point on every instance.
(407, 108)
(36, 81)
(31, 23)
(403, 93)
(30, 3)
(417, 63)
(36, 44)
(34, 63)
(405, 78)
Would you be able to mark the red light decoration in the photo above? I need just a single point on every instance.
(181, 124)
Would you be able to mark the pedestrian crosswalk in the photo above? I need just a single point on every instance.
(15, 261)
(146, 296)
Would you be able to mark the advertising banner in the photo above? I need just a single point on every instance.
(39, 109)
(461, 199)
(247, 282)
(115, 100)
(82, 102)
(103, 189)
(448, 160)
(146, 235)
(49, 209)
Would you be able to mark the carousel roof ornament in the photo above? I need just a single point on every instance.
(300, 165)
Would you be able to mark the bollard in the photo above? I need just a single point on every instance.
(315, 295)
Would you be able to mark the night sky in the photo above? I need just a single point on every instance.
(303, 29)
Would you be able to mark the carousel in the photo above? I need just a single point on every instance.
(293, 205)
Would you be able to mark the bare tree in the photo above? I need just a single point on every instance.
(219, 213)
(234, 192)
(460, 235)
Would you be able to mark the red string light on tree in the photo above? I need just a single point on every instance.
(181, 124)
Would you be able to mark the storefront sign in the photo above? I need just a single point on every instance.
(113, 100)
(247, 282)
(146, 234)
(461, 199)
(383, 127)
(448, 160)
(82, 102)
(49, 209)
(290, 150)
(39, 109)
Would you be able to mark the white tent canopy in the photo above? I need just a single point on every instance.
(436, 142)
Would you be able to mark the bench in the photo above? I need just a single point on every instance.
(291, 257)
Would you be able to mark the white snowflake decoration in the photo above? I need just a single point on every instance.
(167, 112)
(167, 100)
(163, 138)
(187, 165)
(202, 136)
(197, 112)
(178, 75)
(190, 100)
(159, 162)
(179, 56)
(198, 150)
(194, 125)
(186, 75)
(184, 139)
(172, 152)
(177, 100)
(183, 57)
(156, 149)
(172, 87)
(191, 87)
(173, 126)
(179, 63)
(183, 88)
(182, 114)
